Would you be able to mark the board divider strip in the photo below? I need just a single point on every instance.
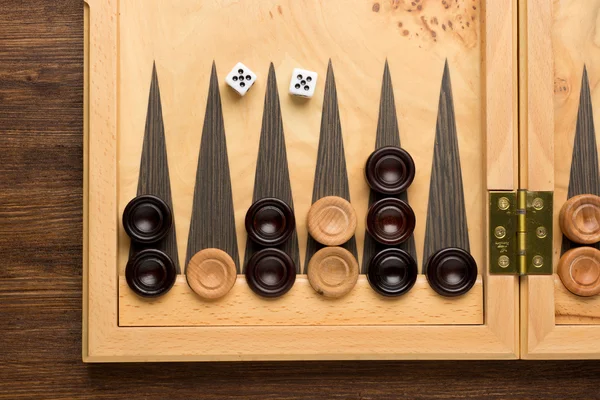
(213, 222)
(301, 306)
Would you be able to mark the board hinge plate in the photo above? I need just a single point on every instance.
(520, 232)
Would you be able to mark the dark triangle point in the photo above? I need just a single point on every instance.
(331, 176)
(154, 167)
(446, 224)
(272, 175)
(584, 176)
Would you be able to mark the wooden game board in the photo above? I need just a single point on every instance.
(448, 96)
(556, 323)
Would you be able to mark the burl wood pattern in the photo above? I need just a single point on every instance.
(584, 177)
(272, 177)
(331, 176)
(154, 168)
(446, 216)
(387, 135)
(213, 223)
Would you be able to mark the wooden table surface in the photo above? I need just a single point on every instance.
(41, 50)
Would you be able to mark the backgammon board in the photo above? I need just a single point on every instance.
(437, 79)
(561, 312)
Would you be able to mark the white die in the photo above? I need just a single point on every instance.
(303, 82)
(241, 78)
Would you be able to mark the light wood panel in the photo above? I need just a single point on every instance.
(535, 84)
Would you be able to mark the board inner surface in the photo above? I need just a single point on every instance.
(184, 37)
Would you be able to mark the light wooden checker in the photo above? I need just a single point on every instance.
(418, 41)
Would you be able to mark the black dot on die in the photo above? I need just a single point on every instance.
(240, 71)
(303, 83)
(308, 79)
(248, 77)
(297, 86)
(242, 84)
(234, 78)
(241, 78)
(299, 77)
(306, 88)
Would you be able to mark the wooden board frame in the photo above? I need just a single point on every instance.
(105, 341)
(546, 335)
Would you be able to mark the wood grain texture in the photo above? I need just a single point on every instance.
(154, 168)
(387, 135)
(301, 309)
(331, 176)
(132, 38)
(213, 223)
(272, 178)
(41, 86)
(584, 177)
(333, 272)
(501, 99)
(446, 215)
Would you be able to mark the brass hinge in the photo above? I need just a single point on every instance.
(520, 232)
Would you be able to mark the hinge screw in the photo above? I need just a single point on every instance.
(538, 261)
(503, 203)
(538, 203)
(500, 232)
(541, 232)
(503, 261)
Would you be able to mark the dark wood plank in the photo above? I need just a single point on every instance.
(584, 177)
(272, 178)
(331, 176)
(213, 222)
(154, 168)
(446, 215)
(41, 93)
(387, 135)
